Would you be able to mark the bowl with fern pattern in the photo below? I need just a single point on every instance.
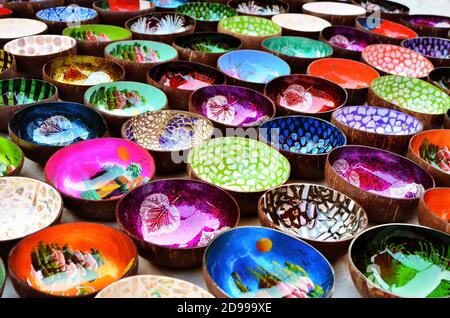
(437, 50)
(120, 11)
(297, 24)
(8, 66)
(440, 77)
(261, 8)
(11, 158)
(434, 209)
(194, 213)
(206, 14)
(386, 31)
(58, 18)
(29, 8)
(427, 24)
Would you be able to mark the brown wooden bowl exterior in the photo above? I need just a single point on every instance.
(428, 218)
(58, 27)
(305, 34)
(248, 41)
(445, 90)
(28, 9)
(119, 18)
(81, 3)
(210, 285)
(95, 48)
(447, 120)
(423, 30)
(90, 209)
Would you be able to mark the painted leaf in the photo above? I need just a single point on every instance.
(295, 96)
(158, 215)
(54, 124)
(219, 109)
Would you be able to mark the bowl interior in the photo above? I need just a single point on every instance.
(250, 26)
(300, 22)
(148, 51)
(433, 146)
(40, 45)
(66, 14)
(23, 91)
(441, 77)
(256, 262)
(99, 169)
(334, 8)
(6, 60)
(97, 33)
(122, 6)
(386, 28)
(12, 28)
(206, 11)
(383, 6)
(73, 259)
(26, 206)
(431, 21)
(428, 46)
(214, 43)
(2, 274)
(438, 201)
(163, 23)
(259, 7)
(11, 157)
(169, 4)
(298, 47)
(348, 38)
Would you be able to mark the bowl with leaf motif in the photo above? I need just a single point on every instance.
(261, 8)
(427, 24)
(11, 158)
(2, 276)
(389, 10)
(206, 14)
(14, 28)
(59, 18)
(8, 66)
(29, 8)
(92, 187)
(434, 209)
(337, 13)
(437, 50)
(72, 260)
(190, 221)
(440, 77)
(297, 24)
(120, 12)
(386, 31)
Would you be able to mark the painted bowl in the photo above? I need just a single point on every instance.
(205, 47)
(59, 18)
(434, 209)
(440, 77)
(2, 276)
(299, 94)
(32, 52)
(261, 8)
(168, 135)
(386, 185)
(250, 30)
(92, 256)
(436, 50)
(120, 101)
(387, 260)
(6, 13)
(447, 120)
(231, 106)
(304, 25)
(354, 76)
(304, 141)
(17, 93)
(118, 15)
(73, 75)
(430, 149)
(153, 286)
(337, 13)
(14, 28)
(8, 66)
(27, 206)
(384, 30)
(137, 65)
(169, 5)
(160, 26)
(389, 10)
(28, 8)
(320, 216)
(82, 3)
(428, 25)
(251, 68)
(179, 78)
(377, 127)
(298, 52)
(257, 262)
(92, 187)
(412, 96)
(347, 42)
(206, 14)
(191, 220)
(42, 129)
(11, 158)
(246, 168)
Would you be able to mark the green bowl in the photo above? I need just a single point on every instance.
(2, 276)
(206, 14)
(11, 158)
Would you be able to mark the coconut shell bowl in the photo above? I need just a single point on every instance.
(384, 30)
(17, 93)
(2, 276)
(206, 14)
(412, 96)
(27, 206)
(257, 262)
(29, 8)
(434, 209)
(244, 167)
(337, 13)
(440, 77)
(31, 53)
(14, 28)
(436, 50)
(138, 56)
(160, 26)
(386, 185)
(118, 14)
(73, 75)
(430, 150)
(250, 30)
(377, 127)
(428, 25)
(320, 216)
(71, 260)
(299, 94)
(304, 141)
(261, 8)
(91, 188)
(8, 66)
(388, 10)
(178, 79)
(58, 18)
(192, 221)
(168, 135)
(11, 158)
(298, 52)
(400, 261)
(119, 101)
(303, 25)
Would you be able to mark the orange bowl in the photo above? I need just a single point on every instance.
(434, 209)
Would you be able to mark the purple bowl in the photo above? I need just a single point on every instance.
(437, 50)
(427, 25)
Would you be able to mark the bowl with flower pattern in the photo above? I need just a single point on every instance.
(11, 158)
(261, 8)
(337, 13)
(434, 209)
(303, 25)
(206, 14)
(440, 77)
(437, 50)
(57, 18)
(389, 10)
(14, 28)
(8, 65)
(384, 30)
(119, 13)
(427, 24)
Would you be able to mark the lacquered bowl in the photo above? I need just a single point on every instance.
(246, 168)
(428, 25)
(71, 260)
(59, 18)
(64, 73)
(168, 5)
(377, 127)
(137, 65)
(320, 216)
(168, 135)
(256, 262)
(14, 28)
(179, 78)
(386, 185)
(82, 3)
(6, 13)
(440, 77)
(251, 68)
(260, 8)
(11, 158)
(434, 209)
(337, 13)
(304, 141)
(437, 50)
(354, 76)
(160, 26)
(92, 175)
(120, 16)
(389, 10)
(153, 286)
(384, 30)
(27, 206)
(17, 93)
(42, 129)
(347, 42)
(412, 96)
(32, 52)
(298, 52)
(120, 101)
(299, 94)
(206, 14)
(430, 150)
(191, 220)
(8, 66)
(304, 25)
(28, 9)
(2, 276)
(447, 120)
(250, 30)
(231, 106)
(205, 47)
(385, 262)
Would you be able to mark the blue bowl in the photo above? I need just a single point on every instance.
(58, 18)
(240, 261)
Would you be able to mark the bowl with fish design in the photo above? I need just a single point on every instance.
(14, 28)
(206, 14)
(29, 8)
(389, 10)
(59, 18)
(11, 158)
(337, 13)
(303, 25)
(91, 188)
(434, 209)
(120, 12)
(261, 8)
(428, 25)
(386, 31)
(440, 77)
(8, 65)
(436, 50)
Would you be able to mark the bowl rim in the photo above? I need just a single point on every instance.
(353, 29)
(72, 40)
(407, 19)
(46, 100)
(429, 210)
(44, 28)
(404, 8)
(403, 43)
(177, 46)
(325, 23)
(381, 36)
(191, 23)
(251, 18)
(20, 151)
(95, 6)
(38, 14)
(285, 6)
(205, 4)
(308, 6)
(110, 26)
